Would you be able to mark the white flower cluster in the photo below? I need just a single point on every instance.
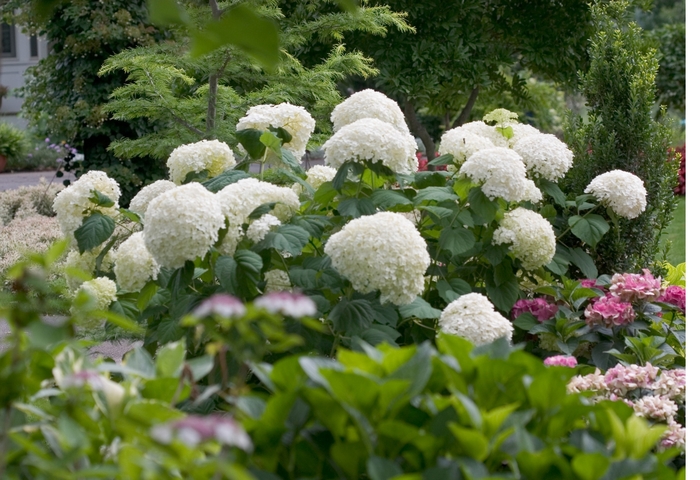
(260, 227)
(182, 224)
(368, 104)
(502, 174)
(473, 317)
(520, 131)
(277, 281)
(71, 203)
(134, 266)
(531, 235)
(239, 199)
(382, 252)
(140, 202)
(621, 191)
(211, 155)
(482, 130)
(375, 141)
(462, 143)
(296, 120)
(501, 116)
(545, 155)
(320, 174)
(86, 262)
(102, 290)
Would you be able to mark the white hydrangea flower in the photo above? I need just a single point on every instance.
(368, 104)
(622, 191)
(260, 227)
(483, 130)
(239, 199)
(182, 224)
(296, 120)
(473, 317)
(134, 266)
(501, 116)
(531, 235)
(382, 252)
(502, 174)
(71, 203)
(140, 202)
(545, 155)
(102, 290)
(277, 281)
(462, 143)
(520, 131)
(374, 141)
(86, 262)
(211, 155)
(320, 174)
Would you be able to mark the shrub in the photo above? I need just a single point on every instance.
(13, 142)
(679, 189)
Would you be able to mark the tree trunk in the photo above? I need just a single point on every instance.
(418, 128)
(464, 116)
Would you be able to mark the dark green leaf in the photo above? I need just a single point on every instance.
(553, 190)
(377, 334)
(447, 159)
(525, 321)
(480, 205)
(590, 229)
(100, 199)
(503, 296)
(430, 179)
(386, 199)
(224, 179)
(250, 139)
(438, 194)
(343, 173)
(198, 177)
(584, 262)
(287, 238)
(261, 210)
(95, 229)
(351, 316)
(133, 216)
(456, 240)
(356, 207)
(289, 160)
(419, 308)
(382, 469)
(167, 12)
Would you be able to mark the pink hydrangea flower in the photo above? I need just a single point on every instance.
(631, 286)
(221, 304)
(539, 307)
(655, 407)
(609, 311)
(292, 304)
(621, 379)
(674, 436)
(670, 383)
(561, 361)
(195, 429)
(589, 283)
(593, 381)
(674, 295)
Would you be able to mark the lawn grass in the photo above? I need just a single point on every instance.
(675, 234)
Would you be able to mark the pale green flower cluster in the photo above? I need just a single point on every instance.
(622, 191)
(86, 262)
(211, 155)
(531, 237)
(102, 290)
(294, 119)
(382, 252)
(134, 266)
(182, 224)
(473, 317)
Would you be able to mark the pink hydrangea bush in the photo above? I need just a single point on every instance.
(561, 361)
(539, 307)
(609, 311)
(674, 295)
(632, 287)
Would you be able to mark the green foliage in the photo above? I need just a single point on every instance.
(13, 142)
(670, 80)
(619, 133)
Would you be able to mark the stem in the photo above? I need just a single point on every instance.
(224, 367)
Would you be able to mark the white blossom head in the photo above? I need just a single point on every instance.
(473, 317)
(520, 131)
(258, 229)
(374, 141)
(140, 202)
(102, 290)
(238, 200)
(622, 191)
(501, 173)
(85, 262)
(71, 202)
(210, 155)
(277, 281)
(294, 119)
(531, 237)
(382, 252)
(182, 224)
(134, 266)
(501, 116)
(462, 143)
(368, 104)
(487, 131)
(545, 155)
(320, 174)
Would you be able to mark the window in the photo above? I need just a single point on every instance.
(7, 40)
(33, 46)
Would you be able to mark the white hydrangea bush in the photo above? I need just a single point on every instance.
(531, 237)
(462, 143)
(368, 103)
(473, 317)
(622, 191)
(545, 155)
(383, 252)
(134, 266)
(211, 155)
(139, 204)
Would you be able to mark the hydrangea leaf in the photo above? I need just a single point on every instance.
(356, 207)
(447, 159)
(287, 238)
(503, 295)
(590, 229)
(351, 316)
(170, 359)
(95, 230)
(100, 199)
(456, 240)
(420, 309)
(482, 208)
(438, 194)
(553, 190)
(584, 262)
(250, 139)
(386, 199)
(222, 180)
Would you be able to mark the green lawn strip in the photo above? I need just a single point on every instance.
(675, 234)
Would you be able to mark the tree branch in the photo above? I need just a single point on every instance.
(464, 116)
(419, 129)
(215, 10)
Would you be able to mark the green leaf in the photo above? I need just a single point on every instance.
(379, 468)
(553, 190)
(474, 443)
(481, 206)
(325, 194)
(590, 466)
(430, 179)
(377, 334)
(261, 210)
(287, 238)
(386, 199)
(456, 240)
(224, 179)
(344, 171)
(198, 177)
(289, 160)
(505, 131)
(250, 139)
(419, 308)
(244, 28)
(347, 5)
(200, 366)
(352, 316)
(589, 229)
(133, 216)
(584, 262)
(167, 12)
(505, 295)
(356, 207)
(271, 141)
(95, 230)
(438, 194)
(147, 293)
(314, 224)
(100, 199)
(447, 159)
(170, 359)
(526, 321)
